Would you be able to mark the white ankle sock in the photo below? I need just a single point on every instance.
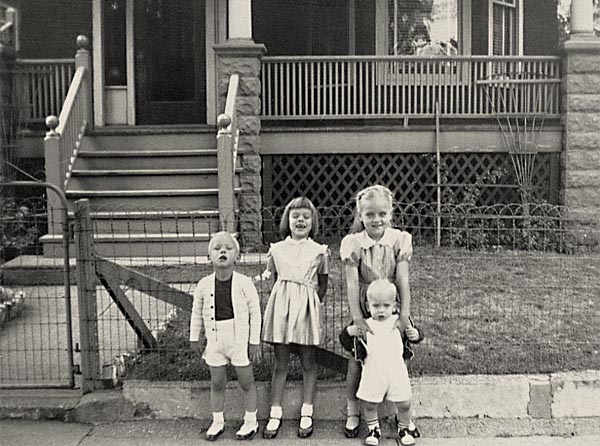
(249, 425)
(275, 418)
(217, 424)
(353, 418)
(305, 412)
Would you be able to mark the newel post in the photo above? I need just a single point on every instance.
(52, 161)
(226, 173)
(83, 59)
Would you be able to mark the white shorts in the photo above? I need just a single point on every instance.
(224, 350)
(374, 386)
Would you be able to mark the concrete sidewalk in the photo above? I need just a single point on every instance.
(187, 433)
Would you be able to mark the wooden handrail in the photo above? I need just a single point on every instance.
(227, 145)
(65, 134)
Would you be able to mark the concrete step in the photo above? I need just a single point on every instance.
(156, 222)
(140, 179)
(136, 245)
(146, 159)
(182, 199)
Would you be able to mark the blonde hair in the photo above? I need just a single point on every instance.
(299, 203)
(368, 193)
(211, 243)
(381, 288)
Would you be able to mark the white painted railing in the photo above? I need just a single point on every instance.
(43, 85)
(227, 146)
(65, 134)
(345, 87)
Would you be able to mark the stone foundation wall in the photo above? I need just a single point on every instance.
(243, 58)
(580, 175)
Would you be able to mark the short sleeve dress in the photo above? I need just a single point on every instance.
(375, 259)
(293, 312)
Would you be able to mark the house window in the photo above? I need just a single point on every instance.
(115, 71)
(505, 23)
(422, 27)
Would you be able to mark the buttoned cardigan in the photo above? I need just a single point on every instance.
(246, 310)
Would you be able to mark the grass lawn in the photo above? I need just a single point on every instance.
(496, 312)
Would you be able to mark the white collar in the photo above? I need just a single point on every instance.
(291, 241)
(366, 242)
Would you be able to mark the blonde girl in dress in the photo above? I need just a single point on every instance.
(373, 250)
(299, 267)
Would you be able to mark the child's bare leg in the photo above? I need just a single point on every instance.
(280, 370)
(245, 376)
(403, 421)
(372, 420)
(218, 381)
(309, 388)
(352, 382)
(309, 373)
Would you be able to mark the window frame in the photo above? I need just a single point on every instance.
(518, 6)
(463, 31)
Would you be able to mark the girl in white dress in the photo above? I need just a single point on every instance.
(299, 267)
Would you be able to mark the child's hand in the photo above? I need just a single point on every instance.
(403, 323)
(254, 352)
(195, 346)
(361, 328)
(353, 331)
(412, 333)
(266, 275)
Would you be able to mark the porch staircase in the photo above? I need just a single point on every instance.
(152, 193)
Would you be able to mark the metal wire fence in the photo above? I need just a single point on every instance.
(509, 289)
(36, 347)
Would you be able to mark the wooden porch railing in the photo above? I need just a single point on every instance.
(227, 145)
(66, 132)
(43, 85)
(346, 87)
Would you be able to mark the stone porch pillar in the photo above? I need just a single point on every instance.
(580, 176)
(240, 55)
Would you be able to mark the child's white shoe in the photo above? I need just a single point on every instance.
(215, 430)
(406, 438)
(373, 437)
(248, 430)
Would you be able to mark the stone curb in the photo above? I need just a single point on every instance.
(481, 405)
(559, 395)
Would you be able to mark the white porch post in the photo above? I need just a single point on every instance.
(240, 19)
(582, 17)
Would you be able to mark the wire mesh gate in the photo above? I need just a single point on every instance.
(36, 333)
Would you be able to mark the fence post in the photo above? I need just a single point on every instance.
(83, 59)
(53, 170)
(86, 297)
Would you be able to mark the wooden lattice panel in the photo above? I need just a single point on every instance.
(333, 179)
